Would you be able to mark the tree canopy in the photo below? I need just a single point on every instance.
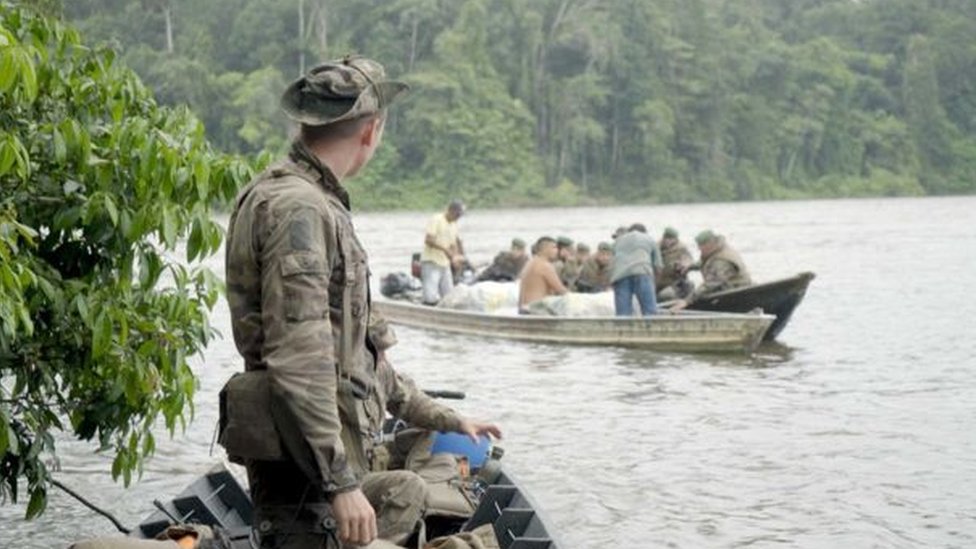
(567, 101)
(97, 315)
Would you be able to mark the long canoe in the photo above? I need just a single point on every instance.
(778, 298)
(688, 331)
(217, 499)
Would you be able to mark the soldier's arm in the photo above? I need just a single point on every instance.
(407, 402)
(380, 332)
(297, 256)
(717, 277)
(553, 282)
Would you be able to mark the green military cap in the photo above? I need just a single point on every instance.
(518, 243)
(581, 247)
(342, 89)
(564, 242)
(604, 247)
(670, 232)
(707, 235)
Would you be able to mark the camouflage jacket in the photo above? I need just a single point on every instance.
(593, 277)
(722, 270)
(505, 267)
(298, 289)
(568, 271)
(674, 258)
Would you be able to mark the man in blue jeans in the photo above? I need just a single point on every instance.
(636, 259)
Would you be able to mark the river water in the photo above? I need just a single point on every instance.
(857, 430)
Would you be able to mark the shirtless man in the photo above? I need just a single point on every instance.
(539, 278)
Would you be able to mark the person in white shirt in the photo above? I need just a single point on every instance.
(442, 249)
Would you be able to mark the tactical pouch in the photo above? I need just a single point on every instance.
(247, 429)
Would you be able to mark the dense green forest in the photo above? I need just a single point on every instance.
(522, 102)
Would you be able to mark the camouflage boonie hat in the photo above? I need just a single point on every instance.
(342, 89)
(564, 242)
(670, 232)
(518, 243)
(707, 235)
(604, 247)
(581, 248)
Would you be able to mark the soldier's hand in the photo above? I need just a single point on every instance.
(679, 305)
(474, 429)
(355, 516)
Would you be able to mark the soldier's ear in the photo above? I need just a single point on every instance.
(372, 132)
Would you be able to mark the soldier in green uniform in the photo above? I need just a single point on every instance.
(673, 281)
(507, 265)
(566, 265)
(721, 267)
(306, 415)
(595, 273)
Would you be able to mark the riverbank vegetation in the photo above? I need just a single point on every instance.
(593, 101)
(98, 314)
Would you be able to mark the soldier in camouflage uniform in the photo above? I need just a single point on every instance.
(298, 289)
(566, 265)
(721, 267)
(595, 273)
(673, 281)
(507, 266)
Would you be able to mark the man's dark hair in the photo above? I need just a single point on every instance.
(639, 227)
(311, 135)
(542, 240)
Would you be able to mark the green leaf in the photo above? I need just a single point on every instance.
(169, 228)
(7, 156)
(195, 242)
(117, 465)
(60, 148)
(113, 211)
(28, 76)
(101, 335)
(13, 444)
(7, 74)
(201, 174)
(81, 304)
(37, 503)
(4, 434)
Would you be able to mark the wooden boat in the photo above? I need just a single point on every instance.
(217, 499)
(690, 331)
(778, 298)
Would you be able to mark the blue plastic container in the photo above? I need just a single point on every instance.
(462, 445)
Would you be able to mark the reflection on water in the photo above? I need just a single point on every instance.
(856, 430)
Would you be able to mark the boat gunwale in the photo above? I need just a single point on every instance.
(680, 316)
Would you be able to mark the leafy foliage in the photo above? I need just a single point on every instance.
(97, 316)
(627, 100)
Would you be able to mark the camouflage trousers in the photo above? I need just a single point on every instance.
(291, 513)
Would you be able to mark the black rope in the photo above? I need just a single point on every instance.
(91, 506)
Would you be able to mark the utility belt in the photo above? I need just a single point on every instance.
(247, 429)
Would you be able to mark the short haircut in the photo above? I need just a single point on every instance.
(639, 227)
(542, 240)
(344, 129)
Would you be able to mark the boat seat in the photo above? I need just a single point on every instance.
(511, 515)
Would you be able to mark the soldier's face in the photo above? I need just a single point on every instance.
(549, 250)
(603, 257)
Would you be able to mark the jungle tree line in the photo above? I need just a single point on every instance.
(570, 101)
